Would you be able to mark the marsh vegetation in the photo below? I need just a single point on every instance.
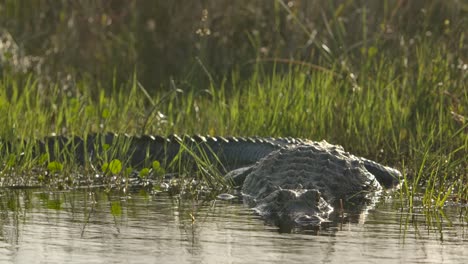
(387, 80)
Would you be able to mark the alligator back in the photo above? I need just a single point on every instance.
(232, 152)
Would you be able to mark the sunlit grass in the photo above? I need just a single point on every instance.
(366, 79)
(397, 118)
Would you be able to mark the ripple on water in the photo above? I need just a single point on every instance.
(92, 226)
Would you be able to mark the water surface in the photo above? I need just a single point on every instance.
(95, 226)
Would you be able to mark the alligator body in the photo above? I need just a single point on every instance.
(299, 185)
(289, 181)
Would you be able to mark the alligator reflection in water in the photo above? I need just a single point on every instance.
(92, 225)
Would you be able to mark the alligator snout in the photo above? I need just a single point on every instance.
(309, 209)
(309, 220)
(299, 207)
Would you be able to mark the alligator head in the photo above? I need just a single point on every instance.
(290, 208)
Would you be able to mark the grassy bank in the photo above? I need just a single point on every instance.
(371, 80)
(402, 118)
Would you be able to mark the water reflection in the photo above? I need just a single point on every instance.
(94, 226)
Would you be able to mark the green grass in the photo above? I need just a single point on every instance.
(401, 119)
(387, 81)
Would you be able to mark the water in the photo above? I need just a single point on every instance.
(94, 226)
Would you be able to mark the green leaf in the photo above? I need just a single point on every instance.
(114, 167)
(144, 173)
(11, 160)
(55, 166)
(156, 165)
(105, 113)
(74, 105)
(372, 51)
(158, 170)
(40, 178)
(105, 147)
(89, 110)
(43, 158)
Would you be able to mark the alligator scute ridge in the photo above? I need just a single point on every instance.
(289, 181)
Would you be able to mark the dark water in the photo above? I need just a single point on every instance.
(94, 226)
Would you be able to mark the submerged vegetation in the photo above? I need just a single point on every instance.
(387, 80)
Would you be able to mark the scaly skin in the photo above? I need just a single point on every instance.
(299, 185)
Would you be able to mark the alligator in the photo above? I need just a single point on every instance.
(290, 182)
(298, 186)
